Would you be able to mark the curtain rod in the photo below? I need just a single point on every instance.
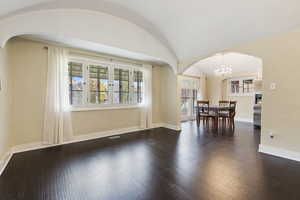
(111, 58)
(105, 57)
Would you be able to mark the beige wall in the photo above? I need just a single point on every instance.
(280, 107)
(203, 87)
(244, 107)
(5, 102)
(156, 95)
(29, 64)
(102, 120)
(214, 89)
(169, 97)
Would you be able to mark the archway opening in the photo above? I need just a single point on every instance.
(226, 76)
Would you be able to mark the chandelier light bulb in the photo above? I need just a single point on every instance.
(223, 70)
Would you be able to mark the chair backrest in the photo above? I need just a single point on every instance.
(224, 103)
(203, 107)
(232, 106)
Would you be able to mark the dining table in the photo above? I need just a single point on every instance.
(217, 109)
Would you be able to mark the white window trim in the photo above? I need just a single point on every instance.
(104, 107)
(111, 65)
(240, 94)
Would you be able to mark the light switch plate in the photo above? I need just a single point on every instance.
(272, 86)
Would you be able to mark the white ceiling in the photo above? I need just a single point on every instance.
(8, 6)
(239, 63)
(193, 28)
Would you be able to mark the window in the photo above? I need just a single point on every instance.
(121, 86)
(248, 86)
(241, 87)
(101, 84)
(98, 84)
(188, 103)
(76, 83)
(138, 86)
(235, 87)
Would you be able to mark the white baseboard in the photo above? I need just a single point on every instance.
(28, 147)
(157, 125)
(78, 138)
(240, 119)
(4, 161)
(168, 126)
(172, 127)
(108, 133)
(279, 152)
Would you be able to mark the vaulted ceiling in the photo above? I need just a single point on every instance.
(239, 63)
(191, 28)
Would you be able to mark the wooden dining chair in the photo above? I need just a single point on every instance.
(203, 112)
(229, 116)
(232, 112)
(224, 103)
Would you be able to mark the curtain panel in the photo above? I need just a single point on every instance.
(57, 120)
(146, 111)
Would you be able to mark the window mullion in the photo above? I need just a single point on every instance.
(111, 84)
(86, 85)
(131, 86)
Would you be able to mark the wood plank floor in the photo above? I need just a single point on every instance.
(153, 165)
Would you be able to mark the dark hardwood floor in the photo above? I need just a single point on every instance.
(153, 165)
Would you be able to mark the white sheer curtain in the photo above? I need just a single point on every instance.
(57, 121)
(146, 111)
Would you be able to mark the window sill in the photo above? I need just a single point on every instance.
(91, 108)
(241, 95)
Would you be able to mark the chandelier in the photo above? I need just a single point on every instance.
(222, 69)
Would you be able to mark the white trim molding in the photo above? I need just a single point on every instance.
(240, 119)
(279, 152)
(166, 125)
(4, 161)
(102, 134)
(89, 108)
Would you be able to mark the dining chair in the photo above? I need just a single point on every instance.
(223, 103)
(204, 112)
(232, 112)
(230, 115)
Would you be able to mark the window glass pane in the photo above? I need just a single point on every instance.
(235, 87)
(184, 101)
(248, 86)
(76, 83)
(98, 84)
(195, 92)
(138, 86)
(121, 86)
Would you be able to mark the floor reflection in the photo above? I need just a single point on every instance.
(197, 163)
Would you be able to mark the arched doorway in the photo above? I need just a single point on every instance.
(242, 83)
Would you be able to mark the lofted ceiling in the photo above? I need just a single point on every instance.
(192, 28)
(239, 63)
